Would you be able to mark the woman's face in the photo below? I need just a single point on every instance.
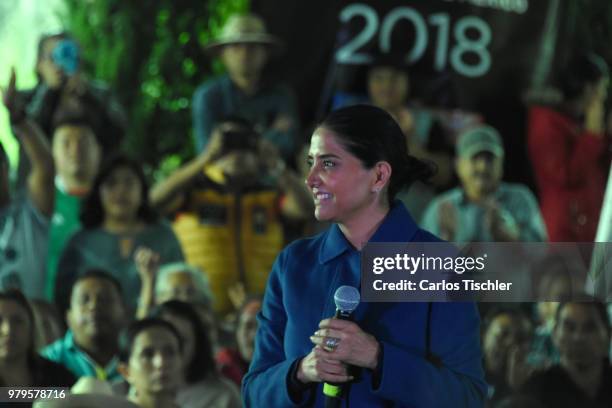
(155, 365)
(15, 330)
(185, 329)
(387, 87)
(504, 333)
(341, 186)
(121, 194)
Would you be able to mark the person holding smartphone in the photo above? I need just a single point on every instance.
(63, 89)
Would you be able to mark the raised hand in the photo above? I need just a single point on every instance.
(9, 99)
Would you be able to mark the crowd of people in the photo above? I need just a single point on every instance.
(152, 296)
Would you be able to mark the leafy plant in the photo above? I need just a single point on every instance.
(153, 58)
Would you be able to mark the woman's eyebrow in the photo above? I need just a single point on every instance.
(325, 156)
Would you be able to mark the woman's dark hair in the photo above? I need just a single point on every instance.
(580, 71)
(14, 295)
(92, 212)
(127, 337)
(203, 362)
(372, 135)
(36, 363)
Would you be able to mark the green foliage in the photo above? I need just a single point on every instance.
(151, 53)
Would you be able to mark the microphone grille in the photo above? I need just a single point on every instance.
(346, 298)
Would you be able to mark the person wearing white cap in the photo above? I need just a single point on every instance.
(244, 47)
(484, 208)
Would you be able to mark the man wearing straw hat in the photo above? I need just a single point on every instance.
(244, 47)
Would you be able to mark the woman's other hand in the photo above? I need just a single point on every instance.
(317, 366)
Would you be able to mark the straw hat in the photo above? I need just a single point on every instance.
(244, 29)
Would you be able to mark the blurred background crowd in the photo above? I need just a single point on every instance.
(155, 168)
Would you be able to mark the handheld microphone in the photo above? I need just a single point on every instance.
(346, 299)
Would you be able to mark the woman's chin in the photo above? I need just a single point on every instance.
(322, 214)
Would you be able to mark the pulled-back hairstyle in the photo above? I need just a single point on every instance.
(372, 135)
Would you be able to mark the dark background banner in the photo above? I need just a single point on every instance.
(479, 55)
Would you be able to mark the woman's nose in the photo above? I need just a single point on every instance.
(312, 177)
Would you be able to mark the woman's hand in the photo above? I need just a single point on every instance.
(318, 367)
(353, 345)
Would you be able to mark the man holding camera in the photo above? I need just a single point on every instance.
(244, 46)
(230, 204)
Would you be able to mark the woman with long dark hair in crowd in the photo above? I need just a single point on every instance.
(569, 151)
(204, 387)
(406, 354)
(117, 219)
(20, 364)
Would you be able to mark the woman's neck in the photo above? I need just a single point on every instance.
(15, 373)
(123, 225)
(359, 230)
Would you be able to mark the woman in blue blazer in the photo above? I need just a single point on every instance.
(418, 355)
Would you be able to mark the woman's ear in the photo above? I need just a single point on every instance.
(383, 175)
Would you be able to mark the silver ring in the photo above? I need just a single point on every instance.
(331, 343)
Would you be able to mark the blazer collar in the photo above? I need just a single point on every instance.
(398, 226)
